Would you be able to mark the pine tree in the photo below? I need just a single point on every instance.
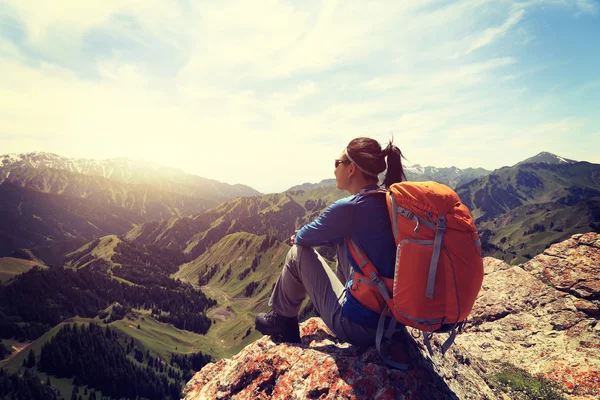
(74, 393)
(30, 359)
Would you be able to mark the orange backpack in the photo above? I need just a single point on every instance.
(439, 268)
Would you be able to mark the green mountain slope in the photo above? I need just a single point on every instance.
(146, 343)
(128, 262)
(11, 267)
(52, 225)
(522, 233)
(511, 187)
(239, 271)
(277, 215)
(521, 210)
(144, 200)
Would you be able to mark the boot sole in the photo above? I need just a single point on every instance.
(274, 331)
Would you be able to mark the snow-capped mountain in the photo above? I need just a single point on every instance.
(451, 176)
(121, 169)
(548, 158)
(128, 171)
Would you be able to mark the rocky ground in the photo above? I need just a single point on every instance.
(542, 316)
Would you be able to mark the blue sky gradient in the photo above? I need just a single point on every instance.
(269, 93)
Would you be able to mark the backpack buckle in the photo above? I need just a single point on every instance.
(441, 223)
(374, 277)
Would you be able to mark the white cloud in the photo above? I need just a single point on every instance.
(489, 35)
(463, 76)
(269, 92)
(9, 50)
(78, 17)
(588, 6)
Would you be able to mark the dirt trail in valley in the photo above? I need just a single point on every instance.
(222, 313)
(224, 299)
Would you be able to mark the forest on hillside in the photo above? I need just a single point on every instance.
(31, 304)
(102, 361)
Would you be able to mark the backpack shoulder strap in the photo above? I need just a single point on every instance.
(374, 191)
(367, 268)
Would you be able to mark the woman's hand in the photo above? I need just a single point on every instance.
(293, 238)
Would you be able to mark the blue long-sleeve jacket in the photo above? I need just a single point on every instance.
(365, 219)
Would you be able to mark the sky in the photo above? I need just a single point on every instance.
(268, 93)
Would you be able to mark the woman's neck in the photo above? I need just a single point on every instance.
(357, 185)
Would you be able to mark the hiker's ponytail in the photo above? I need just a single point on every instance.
(395, 171)
(370, 159)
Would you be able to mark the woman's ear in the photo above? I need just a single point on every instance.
(352, 170)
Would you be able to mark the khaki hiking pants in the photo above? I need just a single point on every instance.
(306, 272)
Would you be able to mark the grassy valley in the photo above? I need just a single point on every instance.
(239, 272)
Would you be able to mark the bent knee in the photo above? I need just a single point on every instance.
(296, 252)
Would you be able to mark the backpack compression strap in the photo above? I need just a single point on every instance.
(437, 249)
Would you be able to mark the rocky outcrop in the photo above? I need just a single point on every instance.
(541, 316)
(324, 367)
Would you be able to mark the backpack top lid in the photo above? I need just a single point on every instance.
(429, 196)
(435, 198)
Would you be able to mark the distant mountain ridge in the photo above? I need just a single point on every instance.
(452, 176)
(132, 172)
(522, 209)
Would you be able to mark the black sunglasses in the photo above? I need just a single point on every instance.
(338, 162)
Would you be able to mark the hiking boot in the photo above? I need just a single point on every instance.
(271, 323)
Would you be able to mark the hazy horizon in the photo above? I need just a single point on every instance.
(270, 93)
(283, 187)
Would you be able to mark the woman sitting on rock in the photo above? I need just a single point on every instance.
(361, 217)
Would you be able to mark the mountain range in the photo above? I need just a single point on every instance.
(451, 176)
(140, 231)
(125, 171)
(53, 204)
(521, 210)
